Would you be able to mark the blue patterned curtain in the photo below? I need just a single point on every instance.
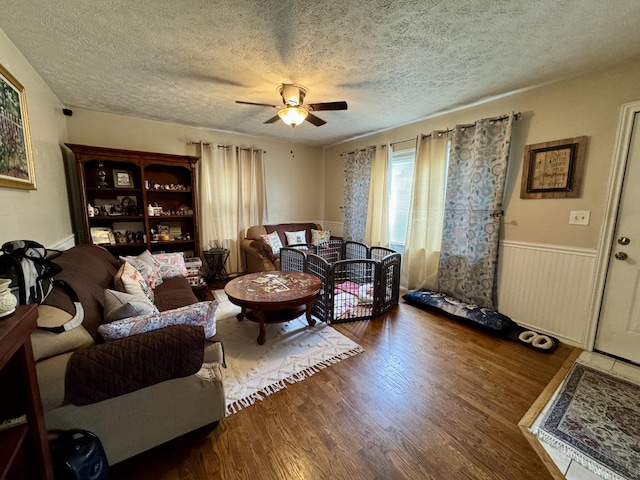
(473, 202)
(357, 177)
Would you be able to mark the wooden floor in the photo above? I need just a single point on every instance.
(428, 399)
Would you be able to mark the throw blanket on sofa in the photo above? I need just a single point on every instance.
(129, 364)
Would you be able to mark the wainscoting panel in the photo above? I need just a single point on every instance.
(335, 227)
(547, 288)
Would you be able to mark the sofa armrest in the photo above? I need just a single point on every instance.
(122, 366)
(259, 255)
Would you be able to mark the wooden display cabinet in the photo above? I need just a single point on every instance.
(118, 186)
(24, 450)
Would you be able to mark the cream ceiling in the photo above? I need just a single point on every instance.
(393, 61)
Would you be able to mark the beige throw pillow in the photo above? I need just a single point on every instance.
(119, 305)
(129, 280)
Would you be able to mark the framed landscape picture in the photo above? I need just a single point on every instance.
(16, 159)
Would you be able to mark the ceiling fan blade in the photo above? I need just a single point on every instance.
(273, 119)
(258, 104)
(318, 122)
(316, 107)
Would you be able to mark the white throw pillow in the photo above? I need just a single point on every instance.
(296, 238)
(273, 240)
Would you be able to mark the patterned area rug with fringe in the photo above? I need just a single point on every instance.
(595, 420)
(293, 350)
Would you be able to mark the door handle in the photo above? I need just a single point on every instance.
(624, 241)
(621, 256)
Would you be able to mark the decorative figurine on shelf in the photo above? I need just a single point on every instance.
(102, 176)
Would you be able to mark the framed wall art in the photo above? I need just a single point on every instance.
(122, 179)
(16, 158)
(553, 169)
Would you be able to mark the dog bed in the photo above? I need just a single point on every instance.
(485, 319)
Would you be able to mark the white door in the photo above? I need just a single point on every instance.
(619, 322)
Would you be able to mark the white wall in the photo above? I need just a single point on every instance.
(295, 183)
(539, 247)
(588, 105)
(43, 214)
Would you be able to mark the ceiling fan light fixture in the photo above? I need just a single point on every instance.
(292, 95)
(293, 116)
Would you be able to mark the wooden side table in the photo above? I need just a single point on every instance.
(216, 259)
(24, 450)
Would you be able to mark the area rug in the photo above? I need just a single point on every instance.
(292, 351)
(595, 420)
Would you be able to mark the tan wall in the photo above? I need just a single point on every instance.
(42, 214)
(588, 105)
(295, 185)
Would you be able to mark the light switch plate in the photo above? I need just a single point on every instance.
(579, 217)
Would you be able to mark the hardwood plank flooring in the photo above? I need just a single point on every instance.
(428, 399)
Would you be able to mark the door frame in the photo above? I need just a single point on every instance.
(606, 241)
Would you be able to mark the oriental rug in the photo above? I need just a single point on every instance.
(594, 419)
(292, 351)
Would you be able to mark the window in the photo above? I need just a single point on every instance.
(400, 181)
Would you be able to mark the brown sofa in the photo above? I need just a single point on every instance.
(259, 256)
(136, 418)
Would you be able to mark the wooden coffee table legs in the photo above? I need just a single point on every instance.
(264, 317)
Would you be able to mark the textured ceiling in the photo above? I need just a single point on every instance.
(393, 61)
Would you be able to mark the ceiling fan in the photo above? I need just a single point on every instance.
(293, 112)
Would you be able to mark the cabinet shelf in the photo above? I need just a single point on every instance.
(95, 164)
(11, 442)
(164, 190)
(18, 375)
(154, 217)
(117, 218)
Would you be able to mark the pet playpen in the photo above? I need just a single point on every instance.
(358, 282)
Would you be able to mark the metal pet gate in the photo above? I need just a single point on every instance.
(358, 282)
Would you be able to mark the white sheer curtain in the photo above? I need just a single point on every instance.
(424, 233)
(377, 227)
(232, 198)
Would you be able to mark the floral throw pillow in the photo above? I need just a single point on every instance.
(320, 236)
(171, 264)
(129, 280)
(273, 240)
(201, 314)
(296, 238)
(147, 266)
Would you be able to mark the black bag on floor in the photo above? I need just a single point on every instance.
(78, 455)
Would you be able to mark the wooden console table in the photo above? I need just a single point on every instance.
(24, 451)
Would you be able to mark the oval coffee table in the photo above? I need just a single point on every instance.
(274, 297)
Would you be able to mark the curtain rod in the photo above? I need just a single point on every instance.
(239, 148)
(516, 116)
(384, 145)
(207, 144)
(204, 144)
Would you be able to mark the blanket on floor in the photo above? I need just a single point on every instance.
(486, 319)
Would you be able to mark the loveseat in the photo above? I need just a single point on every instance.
(259, 255)
(136, 392)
